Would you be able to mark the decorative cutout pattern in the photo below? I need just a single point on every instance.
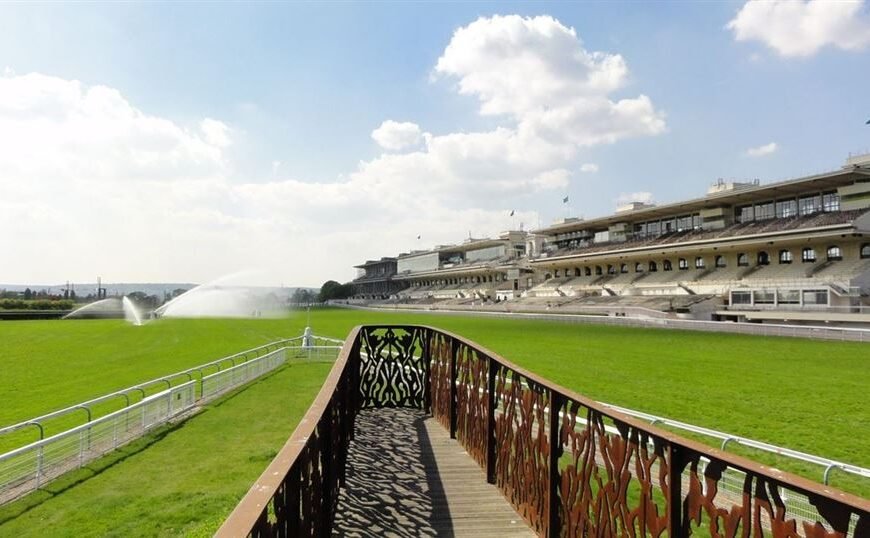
(440, 348)
(471, 402)
(393, 371)
(523, 447)
(594, 489)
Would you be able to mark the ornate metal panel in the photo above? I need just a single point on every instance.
(612, 483)
(471, 401)
(522, 446)
(440, 349)
(760, 509)
(393, 371)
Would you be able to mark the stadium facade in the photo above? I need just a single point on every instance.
(794, 251)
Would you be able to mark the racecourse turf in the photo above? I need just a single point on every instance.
(183, 480)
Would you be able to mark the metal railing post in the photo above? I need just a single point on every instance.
(554, 481)
(491, 374)
(676, 463)
(454, 351)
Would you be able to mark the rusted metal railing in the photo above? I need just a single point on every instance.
(569, 465)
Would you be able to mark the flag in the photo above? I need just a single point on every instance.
(512, 213)
(565, 200)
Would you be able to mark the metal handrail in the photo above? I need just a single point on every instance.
(297, 493)
(36, 421)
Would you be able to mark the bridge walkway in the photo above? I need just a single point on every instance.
(407, 478)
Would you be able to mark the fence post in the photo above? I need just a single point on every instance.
(39, 457)
(490, 419)
(454, 351)
(676, 463)
(554, 482)
(325, 440)
(427, 361)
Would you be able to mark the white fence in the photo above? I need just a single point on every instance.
(761, 329)
(26, 468)
(218, 383)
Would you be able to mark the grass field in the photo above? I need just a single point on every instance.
(802, 394)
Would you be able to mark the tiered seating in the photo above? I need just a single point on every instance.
(843, 270)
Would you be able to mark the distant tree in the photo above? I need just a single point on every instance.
(143, 300)
(333, 290)
(28, 295)
(303, 296)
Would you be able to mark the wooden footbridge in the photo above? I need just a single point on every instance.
(419, 432)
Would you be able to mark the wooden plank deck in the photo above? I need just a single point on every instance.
(407, 478)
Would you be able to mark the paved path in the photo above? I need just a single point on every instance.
(407, 478)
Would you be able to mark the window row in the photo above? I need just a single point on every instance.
(791, 207)
(785, 256)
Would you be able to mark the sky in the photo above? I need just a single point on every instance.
(179, 142)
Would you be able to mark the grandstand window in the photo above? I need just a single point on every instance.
(741, 297)
(830, 201)
(669, 225)
(742, 260)
(786, 209)
(683, 264)
(684, 223)
(744, 214)
(638, 267)
(763, 258)
(788, 296)
(834, 253)
(623, 268)
(667, 266)
(815, 297)
(763, 297)
(720, 261)
(577, 272)
(764, 211)
(640, 229)
(865, 250)
(653, 267)
(588, 271)
(808, 255)
(810, 204)
(598, 270)
(785, 256)
(699, 262)
(653, 228)
(556, 273)
(611, 270)
(696, 221)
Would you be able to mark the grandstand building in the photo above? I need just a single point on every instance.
(376, 280)
(795, 251)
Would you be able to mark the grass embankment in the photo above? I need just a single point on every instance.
(801, 394)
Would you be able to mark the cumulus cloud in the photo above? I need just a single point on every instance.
(802, 28)
(394, 135)
(629, 197)
(536, 71)
(100, 185)
(762, 150)
(60, 129)
(589, 168)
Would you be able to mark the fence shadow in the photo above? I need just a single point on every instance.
(392, 485)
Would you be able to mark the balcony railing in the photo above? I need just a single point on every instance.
(569, 465)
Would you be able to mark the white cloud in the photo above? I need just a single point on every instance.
(536, 71)
(589, 168)
(394, 136)
(629, 197)
(60, 129)
(802, 28)
(762, 150)
(97, 184)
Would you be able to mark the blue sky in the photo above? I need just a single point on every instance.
(296, 91)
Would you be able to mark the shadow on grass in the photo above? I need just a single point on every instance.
(70, 480)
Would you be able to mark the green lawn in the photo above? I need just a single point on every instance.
(184, 480)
